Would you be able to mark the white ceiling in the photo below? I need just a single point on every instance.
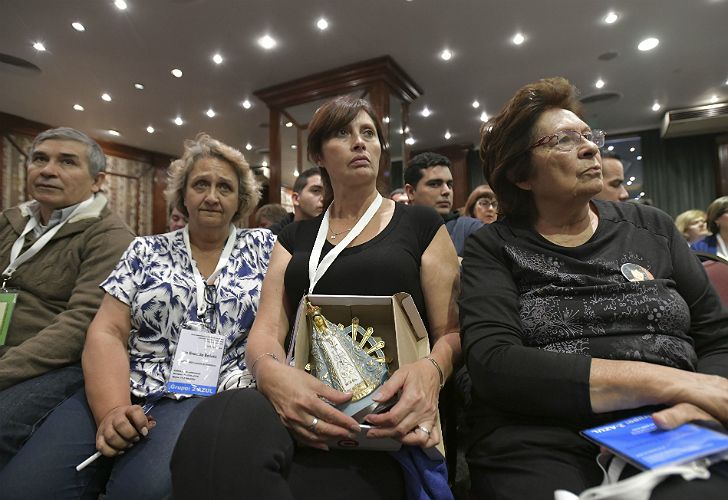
(149, 39)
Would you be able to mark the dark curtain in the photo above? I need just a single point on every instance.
(679, 173)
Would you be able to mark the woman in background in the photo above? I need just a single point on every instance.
(693, 225)
(482, 204)
(715, 242)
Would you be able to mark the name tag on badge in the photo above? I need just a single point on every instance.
(197, 361)
(8, 297)
(636, 273)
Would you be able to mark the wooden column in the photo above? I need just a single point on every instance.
(378, 97)
(381, 78)
(274, 136)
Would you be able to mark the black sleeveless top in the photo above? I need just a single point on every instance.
(387, 264)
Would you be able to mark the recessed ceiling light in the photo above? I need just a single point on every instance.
(211, 113)
(409, 141)
(447, 135)
(179, 121)
(289, 124)
(475, 104)
(78, 26)
(639, 157)
(120, 4)
(401, 131)
(425, 112)
(264, 164)
(446, 55)
(139, 86)
(518, 39)
(293, 146)
(385, 119)
(406, 130)
(150, 129)
(599, 83)
(322, 24)
(648, 44)
(177, 73)
(217, 59)
(642, 193)
(629, 183)
(39, 46)
(295, 173)
(267, 42)
(483, 116)
(248, 146)
(106, 97)
(78, 107)
(655, 107)
(726, 82)
(632, 179)
(113, 132)
(611, 18)
(631, 150)
(610, 148)
(714, 99)
(246, 104)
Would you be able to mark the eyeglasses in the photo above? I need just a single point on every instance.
(567, 140)
(482, 202)
(210, 301)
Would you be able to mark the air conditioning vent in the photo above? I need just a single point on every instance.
(707, 119)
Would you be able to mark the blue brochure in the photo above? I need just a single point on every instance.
(640, 442)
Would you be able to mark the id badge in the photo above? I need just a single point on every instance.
(197, 361)
(8, 297)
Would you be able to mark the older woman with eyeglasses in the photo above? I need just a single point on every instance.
(173, 324)
(593, 311)
(482, 204)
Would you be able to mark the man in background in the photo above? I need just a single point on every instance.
(613, 178)
(428, 182)
(307, 197)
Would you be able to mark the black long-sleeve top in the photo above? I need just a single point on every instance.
(533, 314)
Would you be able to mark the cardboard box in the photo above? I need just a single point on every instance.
(395, 319)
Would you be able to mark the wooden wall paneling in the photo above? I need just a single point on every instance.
(160, 161)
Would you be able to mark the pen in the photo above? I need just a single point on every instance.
(147, 407)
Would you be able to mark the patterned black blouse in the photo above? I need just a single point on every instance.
(534, 313)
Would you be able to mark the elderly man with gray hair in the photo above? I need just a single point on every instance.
(55, 250)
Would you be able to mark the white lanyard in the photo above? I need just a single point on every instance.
(316, 270)
(17, 259)
(199, 282)
(722, 250)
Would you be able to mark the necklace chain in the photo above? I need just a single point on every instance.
(334, 235)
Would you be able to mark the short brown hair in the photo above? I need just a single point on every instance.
(330, 117)
(204, 146)
(482, 191)
(505, 142)
(718, 207)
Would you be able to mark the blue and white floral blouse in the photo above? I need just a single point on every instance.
(155, 279)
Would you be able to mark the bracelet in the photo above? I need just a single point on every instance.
(261, 356)
(439, 370)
